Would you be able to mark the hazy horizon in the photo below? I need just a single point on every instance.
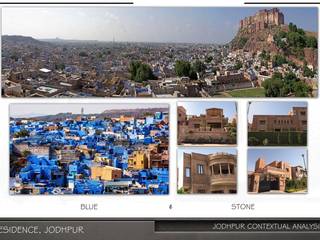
(39, 110)
(211, 25)
(108, 41)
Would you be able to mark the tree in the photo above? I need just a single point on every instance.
(60, 66)
(199, 67)
(253, 141)
(311, 42)
(232, 130)
(289, 80)
(278, 60)
(292, 27)
(181, 191)
(209, 59)
(140, 72)
(193, 75)
(307, 72)
(263, 54)
(133, 66)
(83, 54)
(279, 39)
(273, 87)
(238, 65)
(278, 86)
(144, 73)
(296, 40)
(182, 68)
(22, 133)
(301, 89)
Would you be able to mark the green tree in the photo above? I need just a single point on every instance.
(232, 130)
(60, 66)
(133, 66)
(311, 42)
(301, 89)
(181, 191)
(278, 60)
(182, 68)
(144, 73)
(263, 54)
(199, 67)
(289, 80)
(296, 40)
(292, 27)
(238, 65)
(21, 133)
(278, 86)
(209, 59)
(193, 75)
(273, 87)
(140, 72)
(307, 72)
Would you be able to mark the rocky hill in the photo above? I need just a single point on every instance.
(105, 114)
(266, 39)
(16, 40)
(253, 42)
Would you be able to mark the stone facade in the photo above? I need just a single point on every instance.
(231, 78)
(203, 129)
(21, 148)
(295, 121)
(273, 176)
(67, 154)
(138, 160)
(261, 20)
(105, 173)
(213, 173)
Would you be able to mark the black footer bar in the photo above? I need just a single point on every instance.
(118, 229)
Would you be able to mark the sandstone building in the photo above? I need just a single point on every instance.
(206, 128)
(213, 173)
(273, 176)
(262, 20)
(295, 121)
(105, 173)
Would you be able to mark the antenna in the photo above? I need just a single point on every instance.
(304, 162)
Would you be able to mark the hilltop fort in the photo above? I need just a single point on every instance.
(261, 20)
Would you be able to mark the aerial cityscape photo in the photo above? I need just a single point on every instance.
(159, 52)
(58, 149)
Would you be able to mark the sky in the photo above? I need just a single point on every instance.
(32, 110)
(290, 155)
(140, 24)
(197, 108)
(202, 150)
(272, 108)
